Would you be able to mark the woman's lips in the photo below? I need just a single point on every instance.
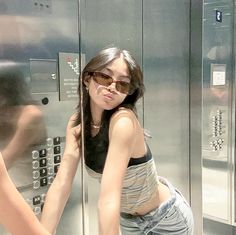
(109, 96)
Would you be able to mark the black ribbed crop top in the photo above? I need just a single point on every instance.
(96, 151)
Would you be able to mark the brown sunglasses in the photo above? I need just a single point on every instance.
(106, 80)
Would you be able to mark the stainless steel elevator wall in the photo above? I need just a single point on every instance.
(32, 35)
(166, 72)
(157, 33)
(217, 110)
(107, 23)
(218, 119)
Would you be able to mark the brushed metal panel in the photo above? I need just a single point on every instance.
(233, 139)
(166, 72)
(216, 118)
(29, 34)
(196, 113)
(39, 30)
(109, 23)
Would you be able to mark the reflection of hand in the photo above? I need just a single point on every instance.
(73, 135)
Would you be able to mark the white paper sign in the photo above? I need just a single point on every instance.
(218, 78)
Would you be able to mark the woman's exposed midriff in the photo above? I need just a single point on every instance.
(161, 195)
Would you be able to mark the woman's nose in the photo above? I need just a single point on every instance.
(112, 87)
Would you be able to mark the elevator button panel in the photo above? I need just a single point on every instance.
(218, 130)
(36, 203)
(45, 162)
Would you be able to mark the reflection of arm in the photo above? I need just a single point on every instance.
(60, 189)
(30, 130)
(121, 136)
(15, 214)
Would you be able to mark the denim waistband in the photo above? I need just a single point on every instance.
(162, 210)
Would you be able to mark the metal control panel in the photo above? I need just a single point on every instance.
(45, 164)
(215, 157)
(46, 158)
(218, 131)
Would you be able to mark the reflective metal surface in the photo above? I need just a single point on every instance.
(196, 113)
(166, 72)
(218, 113)
(42, 40)
(147, 32)
(106, 23)
(34, 114)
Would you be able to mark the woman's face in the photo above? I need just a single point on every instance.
(107, 98)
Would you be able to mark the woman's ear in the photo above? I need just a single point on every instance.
(87, 80)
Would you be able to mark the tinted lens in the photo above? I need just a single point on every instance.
(102, 79)
(106, 80)
(122, 87)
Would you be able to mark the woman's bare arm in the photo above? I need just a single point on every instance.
(15, 214)
(122, 138)
(60, 189)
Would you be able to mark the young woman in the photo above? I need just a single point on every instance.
(132, 195)
(15, 213)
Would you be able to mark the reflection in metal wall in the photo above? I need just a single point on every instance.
(217, 148)
(34, 111)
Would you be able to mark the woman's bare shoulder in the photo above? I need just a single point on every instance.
(124, 112)
(124, 120)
